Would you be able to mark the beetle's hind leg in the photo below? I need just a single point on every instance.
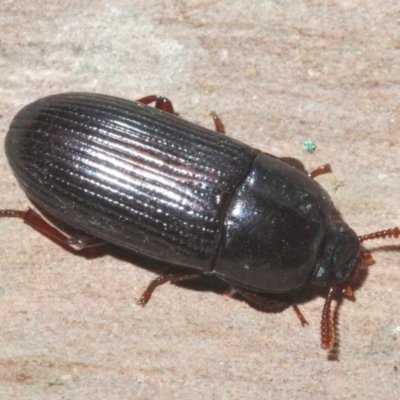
(271, 303)
(37, 222)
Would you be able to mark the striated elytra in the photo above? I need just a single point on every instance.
(144, 179)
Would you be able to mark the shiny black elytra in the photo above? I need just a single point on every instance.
(146, 180)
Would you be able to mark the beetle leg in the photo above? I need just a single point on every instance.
(219, 126)
(323, 169)
(34, 220)
(162, 103)
(300, 315)
(271, 303)
(294, 162)
(173, 278)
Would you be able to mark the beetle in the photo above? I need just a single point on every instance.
(142, 178)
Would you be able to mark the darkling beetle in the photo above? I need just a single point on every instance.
(144, 179)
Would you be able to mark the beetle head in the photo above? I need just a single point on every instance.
(339, 255)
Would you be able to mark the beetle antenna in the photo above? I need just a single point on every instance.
(327, 328)
(327, 334)
(395, 232)
(365, 255)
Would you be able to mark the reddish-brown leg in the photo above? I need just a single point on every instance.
(161, 103)
(34, 220)
(219, 126)
(294, 162)
(173, 278)
(164, 104)
(366, 257)
(270, 303)
(323, 169)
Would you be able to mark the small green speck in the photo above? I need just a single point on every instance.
(309, 146)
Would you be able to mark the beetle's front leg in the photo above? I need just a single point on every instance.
(173, 278)
(323, 169)
(294, 162)
(271, 303)
(37, 222)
